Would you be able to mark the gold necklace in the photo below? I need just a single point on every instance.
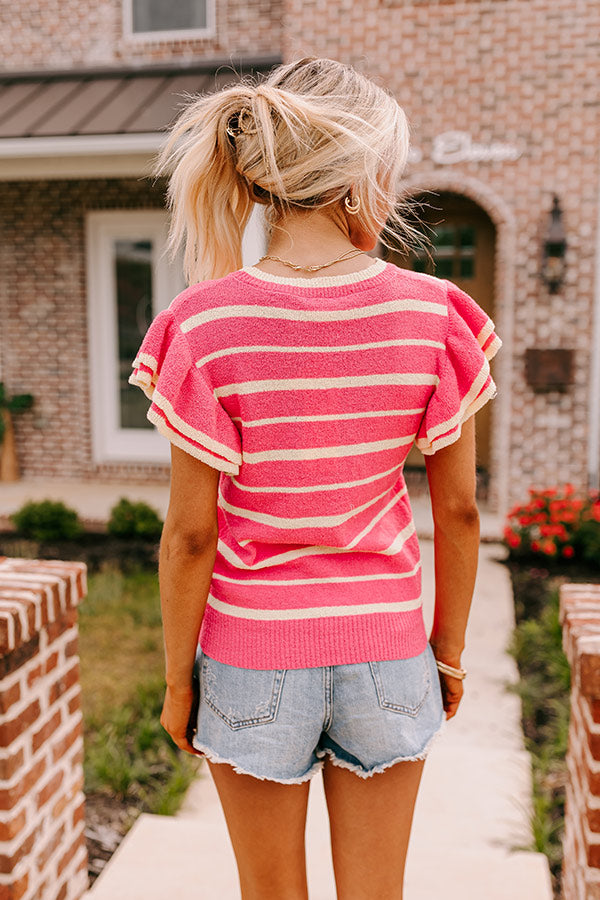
(349, 254)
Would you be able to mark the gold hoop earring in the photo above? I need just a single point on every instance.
(352, 207)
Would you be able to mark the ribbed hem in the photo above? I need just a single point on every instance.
(331, 285)
(303, 643)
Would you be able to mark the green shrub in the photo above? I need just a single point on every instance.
(544, 689)
(129, 520)
(47, 520)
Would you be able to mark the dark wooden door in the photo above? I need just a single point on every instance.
(463, 244)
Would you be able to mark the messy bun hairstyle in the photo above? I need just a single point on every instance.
(305, 136)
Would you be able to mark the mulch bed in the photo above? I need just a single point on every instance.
(97, 549)
(107, 821)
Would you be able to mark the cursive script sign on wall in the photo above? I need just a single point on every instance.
(458, 146)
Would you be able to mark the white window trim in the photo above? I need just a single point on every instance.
(175, 34)
(110, 442)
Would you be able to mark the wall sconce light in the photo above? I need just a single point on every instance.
(555, 245)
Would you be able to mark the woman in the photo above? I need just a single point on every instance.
(292, 391)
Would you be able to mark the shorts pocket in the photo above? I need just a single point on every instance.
(241, 697)
(402, 685)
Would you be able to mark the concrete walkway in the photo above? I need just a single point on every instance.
(472, 810)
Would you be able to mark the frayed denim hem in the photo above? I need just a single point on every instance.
(362, 773)
(215, 758)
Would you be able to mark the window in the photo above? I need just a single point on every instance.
(129, 281)
(453, 252)
(165, 20)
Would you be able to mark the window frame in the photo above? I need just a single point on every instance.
(173, 34)
(111, 442)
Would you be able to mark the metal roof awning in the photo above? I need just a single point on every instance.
(48, 119)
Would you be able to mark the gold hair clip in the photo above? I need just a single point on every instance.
(239, 124)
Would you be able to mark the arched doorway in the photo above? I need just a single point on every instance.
(463, 239)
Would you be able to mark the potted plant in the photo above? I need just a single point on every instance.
(9, 468)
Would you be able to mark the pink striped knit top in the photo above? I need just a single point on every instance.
(307, 395)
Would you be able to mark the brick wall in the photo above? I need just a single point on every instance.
(580, 618)
(62, 34)
(518, 71)
(42, 257)
(43, 854)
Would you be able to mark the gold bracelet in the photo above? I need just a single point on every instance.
(450, 670)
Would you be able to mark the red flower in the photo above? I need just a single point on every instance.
(535, 546)
(568, 551)
(514, 540)
(549, 548)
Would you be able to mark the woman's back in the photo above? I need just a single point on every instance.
(308, 394)
(289, 564)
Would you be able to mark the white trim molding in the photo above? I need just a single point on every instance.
(594, 405)
(79, 156)
(111, 442)
(173, 34)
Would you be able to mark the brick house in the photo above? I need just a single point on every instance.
(503, 103)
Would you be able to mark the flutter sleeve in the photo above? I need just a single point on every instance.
(184, 407)
(465, 383)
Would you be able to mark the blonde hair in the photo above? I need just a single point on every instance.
(307, 136)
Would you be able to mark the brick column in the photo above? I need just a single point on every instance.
(580, 619)
(42, 843)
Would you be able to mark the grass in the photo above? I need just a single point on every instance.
(544, 689)
(127, 751)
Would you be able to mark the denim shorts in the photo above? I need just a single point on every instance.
(279, 724)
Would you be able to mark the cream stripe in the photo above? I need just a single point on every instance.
(374, 268)
(142, 380)
(329, 417)
(305, 453)
(313, 488)
(216, 462)
(147, 360)
(193, 433)
(400, 539)
(488, 394)
(318, 612)
(485, 332)
(325, 384)
(471, 394)
(347, 348)
(300, 522)
(377, 518)
(240, 311)
(279, 559)
(149, 389)
(389, 576)
(492, 348)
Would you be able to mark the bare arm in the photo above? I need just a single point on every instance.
(451, 473)
(186, 559)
